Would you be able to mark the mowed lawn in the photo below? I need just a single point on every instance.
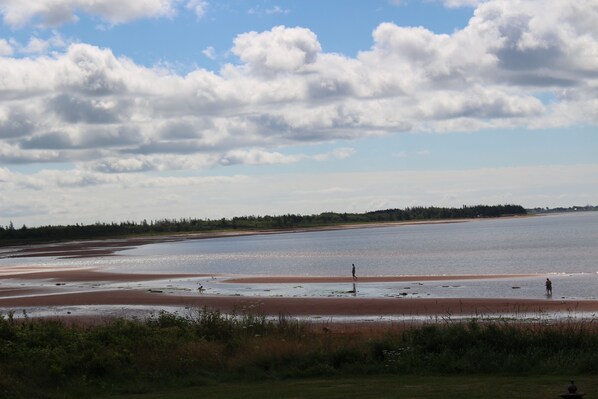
(389, 386)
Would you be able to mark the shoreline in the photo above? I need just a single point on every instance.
(110, 246)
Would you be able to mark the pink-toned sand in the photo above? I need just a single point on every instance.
(309, 306)
(350, 306)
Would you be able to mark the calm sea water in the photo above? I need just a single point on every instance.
(563, 247)
(564, 243)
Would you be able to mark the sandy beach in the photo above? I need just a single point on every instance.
(303, 306)
(58, 296)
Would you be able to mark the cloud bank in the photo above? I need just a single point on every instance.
(87, 104)
(51, 13)
(112, 118)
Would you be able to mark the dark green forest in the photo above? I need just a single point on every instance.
(11, 235)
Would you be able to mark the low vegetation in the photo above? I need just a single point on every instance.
(50, 358)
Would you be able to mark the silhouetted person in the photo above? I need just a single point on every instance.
(548, 287)
(353, 272)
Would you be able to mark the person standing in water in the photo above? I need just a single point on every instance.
(353, 271)
(548, 287)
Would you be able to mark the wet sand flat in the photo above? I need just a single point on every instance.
(30, 294)
(308, 306)
(365, 279)
(91, 275)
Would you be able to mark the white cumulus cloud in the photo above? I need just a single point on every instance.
(86, 104)
(279, 50)
(50, 13)
(113, 119)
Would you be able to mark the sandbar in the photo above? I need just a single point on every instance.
(365, 279)
(443, 307)
(55, 295)
(84, 274)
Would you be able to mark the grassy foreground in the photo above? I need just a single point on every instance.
(387, 386)
(209, 354)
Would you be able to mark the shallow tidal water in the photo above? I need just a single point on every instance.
(562, 247)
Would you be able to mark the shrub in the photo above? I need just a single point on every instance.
(43, 358)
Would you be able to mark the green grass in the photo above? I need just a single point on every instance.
(387, 386)
(220, 354)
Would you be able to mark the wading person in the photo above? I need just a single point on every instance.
(353, 271)
(548, 287)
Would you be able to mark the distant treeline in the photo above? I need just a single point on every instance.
(585, 208)
(11, 235)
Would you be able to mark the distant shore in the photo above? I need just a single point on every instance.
(111, 246)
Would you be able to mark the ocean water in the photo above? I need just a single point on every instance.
(564, 243)
(563, 247)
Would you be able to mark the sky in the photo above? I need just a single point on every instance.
(125, 110)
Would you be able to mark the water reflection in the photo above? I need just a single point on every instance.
(550, 244)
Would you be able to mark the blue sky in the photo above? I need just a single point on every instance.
(114, 110)
(181, 40)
